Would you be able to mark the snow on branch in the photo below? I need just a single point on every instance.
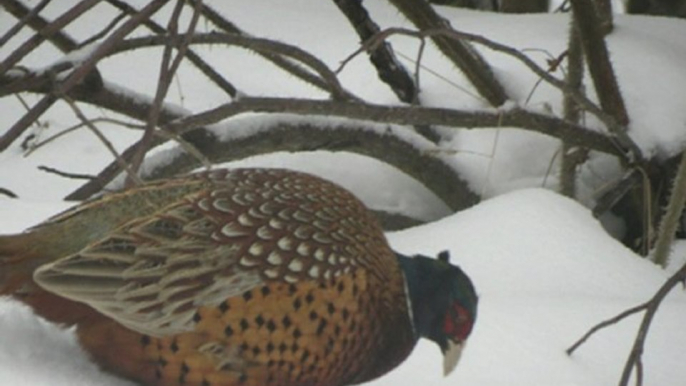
(407, 115)
(615, 127)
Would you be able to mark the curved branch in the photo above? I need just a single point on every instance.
(112, 98)
(381, 144)
(615, 127)
(294, 69)
(194, 58)
(251, 43)
(406, 115)
(109, 97)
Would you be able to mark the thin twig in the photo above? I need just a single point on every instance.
(77, 126)
(19, 127)
(635, 356)
(251, 43)
(606, 323)
(444, 78)
(417, 68)
(461, 53)
(634, 361)
(8, 193)
(89, 124)
(104, 32)
(387, 66)
(76, 176)
(187, 146)
(192, 56)
(631, 150)
(167, 70)
(277, 59)
(639, 371)
(26, 106)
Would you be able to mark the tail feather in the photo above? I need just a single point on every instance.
(19, 257)
(12, 247)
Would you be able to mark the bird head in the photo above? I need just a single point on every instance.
(459, 316)
(444, 304)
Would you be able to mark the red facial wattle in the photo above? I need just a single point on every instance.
(457, 323)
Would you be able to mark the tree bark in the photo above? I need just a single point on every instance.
(523, 6)
(461, 53)
(598, 58)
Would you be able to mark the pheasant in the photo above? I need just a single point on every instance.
(237, 277)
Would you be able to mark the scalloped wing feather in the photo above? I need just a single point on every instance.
(152, 274)
(247, 227)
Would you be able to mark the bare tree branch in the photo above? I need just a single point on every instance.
(388, 67)
(624, 141)
(60, 173)
(631, 151)
(670, 220)
(134, 107)
(514, 117)
(23, 20)
(59, 23)
(78, 74)
(8, 193)
(338, 92)
(103, 32)
(572, 156)
(77, 126)
(461, 53)
(600, 68)
(606, 323)
(193, 57)
(404, 115)
(634, 361)
(87, 122)
(277, 59)
(385, 145)
(167, 70)
(59, 39)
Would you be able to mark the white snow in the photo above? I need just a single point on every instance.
(545, 270)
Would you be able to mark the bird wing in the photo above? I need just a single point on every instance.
(152, 273)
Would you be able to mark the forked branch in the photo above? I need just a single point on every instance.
(634, 361)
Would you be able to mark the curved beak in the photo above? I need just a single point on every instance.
(451, 355)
